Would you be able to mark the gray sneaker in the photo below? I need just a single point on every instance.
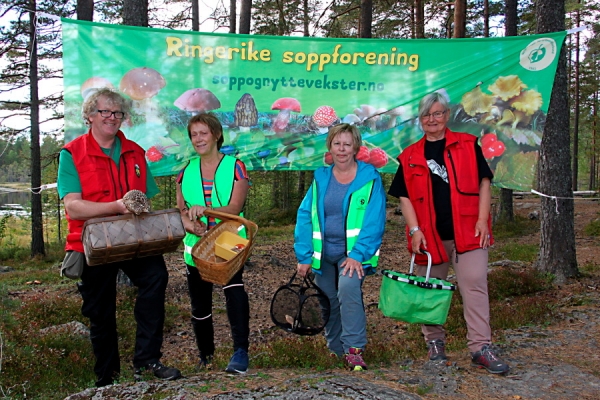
(486, 358)
(437, 350)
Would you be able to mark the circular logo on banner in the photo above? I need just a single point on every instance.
(539, 54)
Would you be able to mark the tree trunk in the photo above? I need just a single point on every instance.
(37, 226)
(460, 18)
(366, 18)
(135, 12)
(512, 18)
(306, 18)
(557, 233)
(195, 16)
(449, 20)
(505, 209)
(419, 19)
(245, 16)
(232, 16)
(85, 10)
(592, 185)
(486, 18)
(576, 116)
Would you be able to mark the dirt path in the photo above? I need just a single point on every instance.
(550, 362)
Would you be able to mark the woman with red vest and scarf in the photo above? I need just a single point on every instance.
(213, 180)
(94, 173)
(443, 183)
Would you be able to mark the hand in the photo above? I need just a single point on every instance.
(121, 209)
(195, 212)
(352, 265)
(481, 230)
(200, 228)
(303, 269)
(418, 241)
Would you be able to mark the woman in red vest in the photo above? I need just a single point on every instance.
(443, 183)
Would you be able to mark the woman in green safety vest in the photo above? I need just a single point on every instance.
(339, 229)
(213, 180)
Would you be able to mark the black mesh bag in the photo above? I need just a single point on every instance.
(302, 309)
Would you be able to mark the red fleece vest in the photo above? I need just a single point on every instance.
(101, 180)
(463, 177)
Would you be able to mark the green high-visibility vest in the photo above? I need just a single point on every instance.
(357, 208)
(193, 193)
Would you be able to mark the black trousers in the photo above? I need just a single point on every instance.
(238, 311)
(98, 287)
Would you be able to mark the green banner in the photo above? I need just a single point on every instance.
(276, 96)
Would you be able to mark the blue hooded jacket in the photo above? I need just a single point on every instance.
(371, 233)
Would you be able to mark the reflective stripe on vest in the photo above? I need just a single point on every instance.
(359, 201)
(193, 193)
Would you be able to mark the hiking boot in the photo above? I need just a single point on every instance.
(238, 364)
(206, 362)
(486, 358)
(354, 359)
(159, 370)
(437, 350)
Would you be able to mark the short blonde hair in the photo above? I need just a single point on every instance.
(340, 128)
(113, 98)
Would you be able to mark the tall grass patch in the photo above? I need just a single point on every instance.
(515, 251)
(593, 228)
(519, 226)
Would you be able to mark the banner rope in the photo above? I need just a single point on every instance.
(556, 198)
(36, 190)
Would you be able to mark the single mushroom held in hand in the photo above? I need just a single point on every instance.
(136, 202)
(284, 105)
(92, 85)
(324, 117)
(141, 85)
(245, 114)
(197, 101)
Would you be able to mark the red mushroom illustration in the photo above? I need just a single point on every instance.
(285, 105)
(197, 101)
(92, 85)
(324, 117)
(141, 85)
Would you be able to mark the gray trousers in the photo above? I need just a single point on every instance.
(471, 275)
(347, 325)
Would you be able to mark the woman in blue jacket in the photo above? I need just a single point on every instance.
(340, 240)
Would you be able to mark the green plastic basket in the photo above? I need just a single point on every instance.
(415, 299)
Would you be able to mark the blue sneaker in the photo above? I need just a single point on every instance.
(238, 364)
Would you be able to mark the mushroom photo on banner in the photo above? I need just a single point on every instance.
(92, 85)
(324, 117)
(245, 114)
(197, 101)
(284, 105)
(141, 85)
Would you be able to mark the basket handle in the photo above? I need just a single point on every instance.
(412, 264)
(251, 227)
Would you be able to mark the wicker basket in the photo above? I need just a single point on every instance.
(129, 236)
(212, 268)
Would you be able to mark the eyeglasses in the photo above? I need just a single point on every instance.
(108, 113)
(436, 115)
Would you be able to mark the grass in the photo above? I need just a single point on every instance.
(30, 359)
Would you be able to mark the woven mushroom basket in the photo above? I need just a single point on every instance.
(215, 269)
(129, 236)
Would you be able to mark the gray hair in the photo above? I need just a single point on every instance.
(427, 102)
(112, 97)
(339, 128)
